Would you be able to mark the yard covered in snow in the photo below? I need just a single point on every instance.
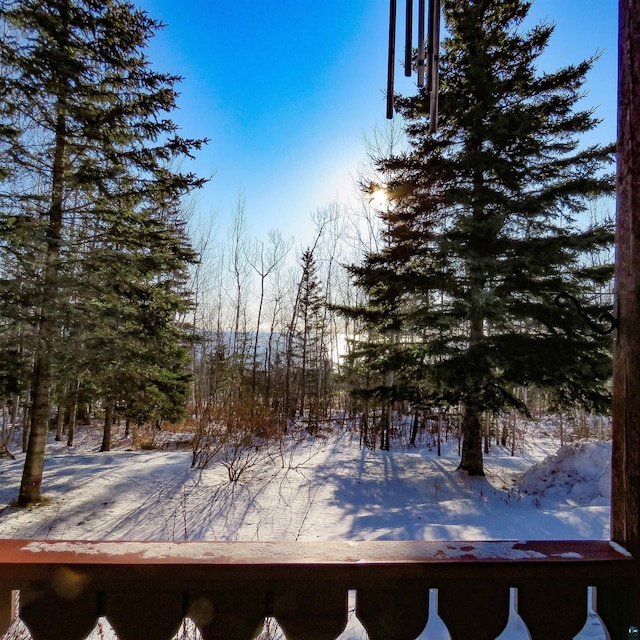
(325, 487)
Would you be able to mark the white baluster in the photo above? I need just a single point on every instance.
(271, 630)
(354, 630)
(594, 628)
(436, 629)
(516, 629)
(102, 631)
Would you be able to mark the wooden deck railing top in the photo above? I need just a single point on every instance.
(17, 555)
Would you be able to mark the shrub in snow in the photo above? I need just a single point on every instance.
(237, 434)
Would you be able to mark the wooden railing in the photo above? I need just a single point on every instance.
(145, 589)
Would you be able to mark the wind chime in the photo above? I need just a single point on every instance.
(428, 48)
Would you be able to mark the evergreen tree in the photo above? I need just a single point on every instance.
(311, 349)
(86, 140)
(305, 350)
(487, 226)
(138, 350)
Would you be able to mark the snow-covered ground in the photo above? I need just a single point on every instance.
(316, 488)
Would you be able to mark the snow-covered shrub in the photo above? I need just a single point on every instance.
(580, 470)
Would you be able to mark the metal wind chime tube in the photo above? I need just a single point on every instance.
(428, 52)
(430, 42)
(421, 48)
(408, 37)
(434, 61)
(392, 56)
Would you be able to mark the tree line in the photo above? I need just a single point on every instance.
(442, 298)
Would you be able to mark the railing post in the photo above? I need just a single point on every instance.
(625, 512)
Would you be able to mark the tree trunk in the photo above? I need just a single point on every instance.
(59, 423)
(385, 435)
(487, 432)
(15, 402)
(4, 429)
(72, 422)
(254, 368)
(364, 425)
(472, 423)
(471, 459)
(414, 429)
(73, 412)
(472, 427)
(108, 422)
(8, 433)
(26, 428)
(40, 413)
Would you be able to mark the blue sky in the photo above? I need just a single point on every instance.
(286, 91)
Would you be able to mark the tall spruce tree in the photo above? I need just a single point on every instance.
(137, 345)
(488, 225)
(310, 329)
(86, 139)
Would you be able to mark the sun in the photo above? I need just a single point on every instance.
(379, 198)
